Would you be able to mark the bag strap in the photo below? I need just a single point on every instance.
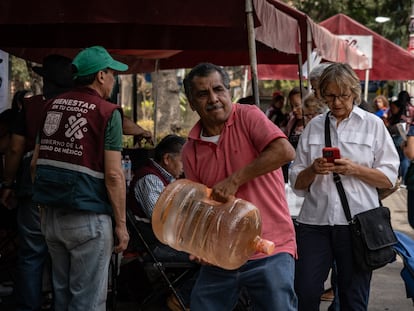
(336, 177)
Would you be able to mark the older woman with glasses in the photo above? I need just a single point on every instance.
(368, 161)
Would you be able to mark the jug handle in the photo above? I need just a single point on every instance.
(209, 192)
(263, 245)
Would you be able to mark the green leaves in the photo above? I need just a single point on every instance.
(364, 11)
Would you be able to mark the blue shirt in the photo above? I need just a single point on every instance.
(148, 189)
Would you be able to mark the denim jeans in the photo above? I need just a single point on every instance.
(268, 282)
(32, 255)
(80, 244)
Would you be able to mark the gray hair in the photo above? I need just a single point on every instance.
(203, 70)
(317, 71)
(344, 77)
(311, 102)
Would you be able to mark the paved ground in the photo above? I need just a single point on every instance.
(387, 290)
(387, 286)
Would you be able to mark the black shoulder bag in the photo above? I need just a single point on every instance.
(371, 231)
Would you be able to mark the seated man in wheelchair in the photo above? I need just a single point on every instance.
(148, 183)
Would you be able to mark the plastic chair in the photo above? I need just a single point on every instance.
(172, 273)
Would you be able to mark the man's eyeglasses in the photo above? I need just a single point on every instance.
(330, 98)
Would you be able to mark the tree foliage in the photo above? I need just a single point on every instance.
(364, 12)
(19, 73)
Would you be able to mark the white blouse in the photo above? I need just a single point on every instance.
(364, 139)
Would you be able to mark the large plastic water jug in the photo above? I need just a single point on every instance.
(223, 234)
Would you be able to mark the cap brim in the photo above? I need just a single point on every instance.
(118, 66)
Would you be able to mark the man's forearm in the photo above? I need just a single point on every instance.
(129, 127)
(116, 188)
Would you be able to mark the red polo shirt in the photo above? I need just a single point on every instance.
(246, 133)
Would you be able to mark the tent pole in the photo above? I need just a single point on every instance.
(300, 64)
(366, 85)
(134, 104)
(246, 74)
(309, 51)
(155, 94)
(252, 51)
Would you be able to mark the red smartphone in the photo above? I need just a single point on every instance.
(331, 153)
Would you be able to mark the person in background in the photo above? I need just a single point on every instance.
(148, 183)
(314, 76)
(367, 162)
(382, 106)
(7, 119)
(295, 124)
(331, 293)
(237, 152)
(79, 183)
(405, 100)
(248, 100)
(368, 107)
(312, 107)
(129, 127)
(33, 254)
(408, 149)
(18, 99)
(151, 179)
(397, 116)
(275, 112)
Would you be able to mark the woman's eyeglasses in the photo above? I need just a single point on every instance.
(330, 98)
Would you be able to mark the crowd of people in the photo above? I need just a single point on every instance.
(70, 187)
(63, 163)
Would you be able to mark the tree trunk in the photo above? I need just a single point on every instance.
(166, 95)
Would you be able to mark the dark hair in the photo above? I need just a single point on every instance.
(294, 91)
(203, 70)
(7, 119)
(403, 98)
(88, 79)
(56, 69)
(169, 144)
(248, 100)
(18, 98)
(85, 80)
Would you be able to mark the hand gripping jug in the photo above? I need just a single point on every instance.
(223, 234)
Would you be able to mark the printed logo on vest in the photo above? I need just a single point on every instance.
(52, 122)
(75, 127)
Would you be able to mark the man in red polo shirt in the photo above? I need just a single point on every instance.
(237, 151)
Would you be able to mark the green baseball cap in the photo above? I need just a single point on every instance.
(93, 59)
